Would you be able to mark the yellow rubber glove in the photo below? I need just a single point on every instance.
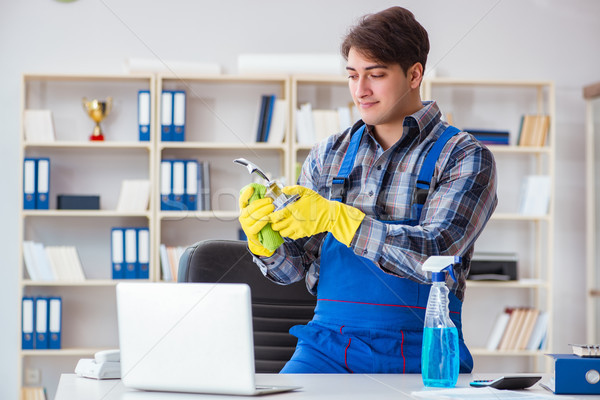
(312, 214)
(253, 217)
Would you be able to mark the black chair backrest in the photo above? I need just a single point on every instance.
(275, 308)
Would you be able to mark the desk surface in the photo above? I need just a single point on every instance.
(317, 386)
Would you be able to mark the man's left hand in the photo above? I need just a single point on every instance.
(312, 214)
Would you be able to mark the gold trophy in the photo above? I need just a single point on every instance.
(97, 110)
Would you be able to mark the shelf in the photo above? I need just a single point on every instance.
(221, 146)
(86, 283)
(89, 145)
(84, 213)
(498, 149)
(87, 77)
(504, 353)
(519, 217)
(486, 82)
(83, 351)
(200, 215)
(519, 284)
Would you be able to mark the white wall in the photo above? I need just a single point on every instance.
(520, 39)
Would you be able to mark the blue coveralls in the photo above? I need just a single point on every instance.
(368, 321)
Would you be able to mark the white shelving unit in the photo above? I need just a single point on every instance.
(221, 125)
(591, 94)
(499, 105)
(222, 113)
(81, 167)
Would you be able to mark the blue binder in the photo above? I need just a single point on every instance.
(262, 115)
(166, 185)
(166, 116)
(43, 183)
(41, 323)
(178, 176)
(574, 374)
(118, 253)
(178, 129)
(144, 115)
(131, 253)
(54, 322)
(268, 118)
(29, 183)
(191, 184)
(143, 243)
(27, 323)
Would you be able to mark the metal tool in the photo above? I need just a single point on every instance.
(280, 199)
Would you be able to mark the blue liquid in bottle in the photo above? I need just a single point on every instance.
(440, 358)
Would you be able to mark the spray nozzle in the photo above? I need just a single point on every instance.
(437, 265)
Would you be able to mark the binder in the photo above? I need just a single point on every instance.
(191, 184)
(206, 186)
(131, 250)
(166, 186)
(143, 257)
(267, 128)
(41, 323)
(43, 183)
(29, 184)
(27, 323)
(178, 129)
(178, 185)
(166, 116)
(118, 253)
(54, 322)
(144, 115)
(574, 374)
(262, 114)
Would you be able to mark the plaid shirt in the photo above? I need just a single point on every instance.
(461, 199)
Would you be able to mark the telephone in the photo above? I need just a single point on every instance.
(105, 365)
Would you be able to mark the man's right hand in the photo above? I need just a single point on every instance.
(253, 217)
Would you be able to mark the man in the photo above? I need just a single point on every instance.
(375, 202)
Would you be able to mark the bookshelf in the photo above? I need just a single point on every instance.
(81, 167)
(484, 104)
(591, 95)
(221, 125)
(499, 105)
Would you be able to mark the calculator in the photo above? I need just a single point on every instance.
(507, 382)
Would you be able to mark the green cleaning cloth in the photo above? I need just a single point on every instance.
(269, 238)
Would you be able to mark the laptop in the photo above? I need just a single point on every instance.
(188, 337)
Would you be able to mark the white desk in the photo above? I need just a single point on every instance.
(316, 387)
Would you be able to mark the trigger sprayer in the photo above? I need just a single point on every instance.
(440, 359)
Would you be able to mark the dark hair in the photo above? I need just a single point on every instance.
(391, 36)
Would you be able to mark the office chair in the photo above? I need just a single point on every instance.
(275, 308)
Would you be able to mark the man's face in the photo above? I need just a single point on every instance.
(380, 91)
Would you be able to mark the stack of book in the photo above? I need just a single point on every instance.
(534, 130)
(314, 125)
(169, 261)
(272, 117)
(52, 263)
(33, 393)
(586, 350)
(519, 328)
(491, 137)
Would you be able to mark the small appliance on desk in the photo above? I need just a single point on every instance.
(577, 373)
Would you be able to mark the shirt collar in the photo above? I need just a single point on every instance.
(423, 120)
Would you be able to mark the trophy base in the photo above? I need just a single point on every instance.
(97, 138)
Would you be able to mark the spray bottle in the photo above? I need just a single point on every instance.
(440, 361)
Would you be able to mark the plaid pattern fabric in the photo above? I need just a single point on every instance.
(461, 199)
